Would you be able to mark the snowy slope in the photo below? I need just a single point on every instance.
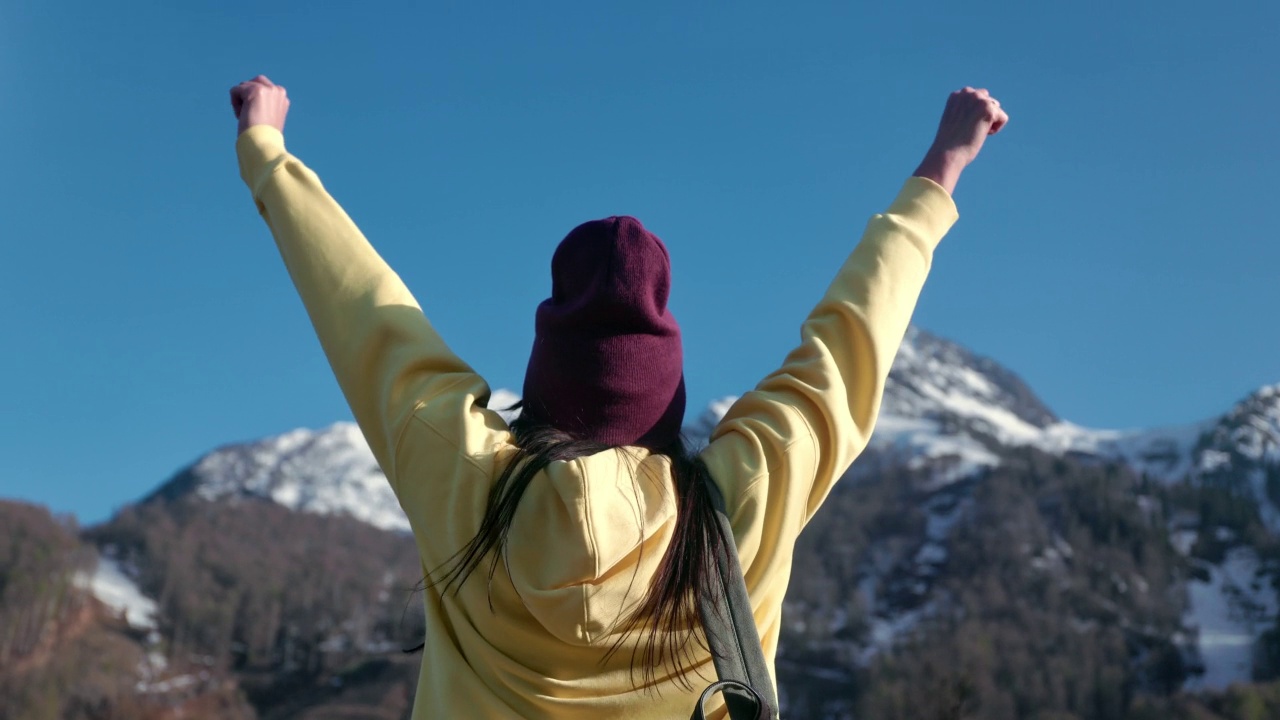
(111, 585)
(329, 471)
(1243, 446)
(953, 411)
(1251, 429)
(943, 402)
(1229, 612)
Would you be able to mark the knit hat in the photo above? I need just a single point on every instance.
(607, 363)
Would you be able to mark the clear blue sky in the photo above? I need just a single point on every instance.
(1118, 243)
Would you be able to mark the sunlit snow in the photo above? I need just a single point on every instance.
(1230, 611)
(330, 471)
(117, 591)
(501, 400)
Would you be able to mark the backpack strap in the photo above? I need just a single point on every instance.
(731, 632)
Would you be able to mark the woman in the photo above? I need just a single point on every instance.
(587, 518)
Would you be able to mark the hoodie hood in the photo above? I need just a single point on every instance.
(581, 554)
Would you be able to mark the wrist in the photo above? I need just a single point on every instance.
(255, 116)
(243, 126)
(943, 167)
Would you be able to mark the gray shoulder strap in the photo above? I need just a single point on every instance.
(731, 633)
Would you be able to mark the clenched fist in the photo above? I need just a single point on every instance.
(969, 117)
(259, 102)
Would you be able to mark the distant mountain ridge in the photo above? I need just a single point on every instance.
(949, 417)
(328, 471)
(944, 407)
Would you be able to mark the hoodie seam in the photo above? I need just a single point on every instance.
(416, 414)
(591, 544)
(466, 457)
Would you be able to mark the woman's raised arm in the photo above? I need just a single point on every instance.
(782, 446)
(388, 359)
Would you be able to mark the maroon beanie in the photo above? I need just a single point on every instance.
(607, 363)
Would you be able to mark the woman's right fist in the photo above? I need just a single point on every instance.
(970, 116)
(259, 102)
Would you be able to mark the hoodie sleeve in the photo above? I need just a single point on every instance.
(388, 360)
(782, 446)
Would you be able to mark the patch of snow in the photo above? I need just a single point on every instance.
(719, 408)
(890, 426)
(887, 630)
(699, 431)
(1211, 460)
(118, 591)
(502, 399)
(1183, 540)
(931, 553)
(999, 421)
(1163, 453)
(1063, 547)
(180, 682)
(1229, 613)
(943, 513)
(951, 457)
(1258, 435)
(976, 383)
(156, 660)
(1050, 559)
(1062, 437)
(335, 643)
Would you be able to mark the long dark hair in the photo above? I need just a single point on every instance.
(669, 611)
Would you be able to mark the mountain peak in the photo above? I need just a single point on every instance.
(931, 374)
(319, 471)
(1251, 428)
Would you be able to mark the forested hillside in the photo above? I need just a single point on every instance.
(1057, 590)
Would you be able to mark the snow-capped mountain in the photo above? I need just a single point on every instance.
(948, 416)
(1243, 446)
(945, 408)
(951, 408)
(953, 411)
(329, 471)
(951, 414)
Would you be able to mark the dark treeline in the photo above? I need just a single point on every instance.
(63, 657)
(1058, 598)
(40, 556)
(280, 597)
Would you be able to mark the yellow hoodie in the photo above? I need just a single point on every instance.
(588, 536)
